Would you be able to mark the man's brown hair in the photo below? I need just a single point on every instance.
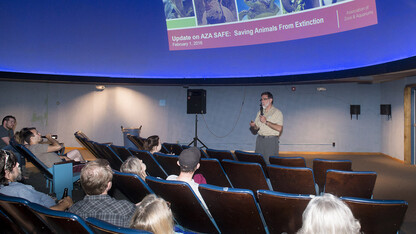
(95, 177)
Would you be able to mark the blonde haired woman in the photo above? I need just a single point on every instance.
(135, 166)
(327, 214)
(153, 214)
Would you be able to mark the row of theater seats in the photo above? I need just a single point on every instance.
(233, 210)
(229, 173)
(18, 215)
(248, 170)
(300, 176)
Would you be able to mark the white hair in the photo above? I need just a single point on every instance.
(328, 214)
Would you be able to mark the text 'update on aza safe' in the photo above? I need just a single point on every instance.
(322, 21)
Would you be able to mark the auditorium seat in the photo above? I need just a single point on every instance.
(105, 152)
(288, 161)
(122, 152)
(61, 221)
(153, 168)
(203, 153)
(378, 216)
(173, 148)
(7, 225)
(234, 210)
(188, 210)
(245, 175)
(83, 139)
(131, 185)
(243, 156)
(350, 183)
(18, 210)
(213, 172)
(137, 141)
(320, 166)
(220, 154)
(296, 180)
(102, 227)
(58, 177)
(282, 211)
(168, 162)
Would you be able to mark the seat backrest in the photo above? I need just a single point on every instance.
(7, 225)
(92, 148)
(173, 148)
(86, 142)
(245, 175)
(131, 185)
(102, 227)
(251, 157)
(377, 216)
(234, 210)
(60, 174)
(282, 211)
(81, 135)
(137, 141)
(82, 138)
(320, 166)
(350, 183)
(288, 161)
(18, 210)
(153, 168)
(33, 159)
(220, 154)
(105, 152)
(296, 180)
(188, 210)
(213, 172)
(203, 153)
(168, 162)
(61, 221)
(121, 151)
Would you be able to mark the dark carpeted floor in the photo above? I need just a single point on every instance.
(395, 181)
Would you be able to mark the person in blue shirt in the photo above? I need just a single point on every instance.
(10, 173)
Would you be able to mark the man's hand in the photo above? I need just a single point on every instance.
(262, 119)
(253, 128)
(54, 144)
(65, 158)
(63, 204)
(67, 201)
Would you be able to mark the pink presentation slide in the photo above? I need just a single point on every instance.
(344, 16)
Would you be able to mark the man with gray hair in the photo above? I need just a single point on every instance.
(269, 126)
(96, 179)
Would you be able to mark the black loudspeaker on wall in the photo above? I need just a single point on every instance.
(196, 101)
(355, 110)
(385, 109)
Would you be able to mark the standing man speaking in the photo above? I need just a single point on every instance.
(268, 125)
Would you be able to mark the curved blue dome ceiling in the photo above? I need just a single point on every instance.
(125, 39)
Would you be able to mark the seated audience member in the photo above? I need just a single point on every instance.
(327, 214)
(153, 214)
(7, 134)
(189, 163)
(7, 130)
(10, 173)
(46, 152)
(96, 179)
(135, 166)
(152, 144)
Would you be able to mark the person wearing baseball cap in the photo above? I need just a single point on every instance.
(189, 163)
